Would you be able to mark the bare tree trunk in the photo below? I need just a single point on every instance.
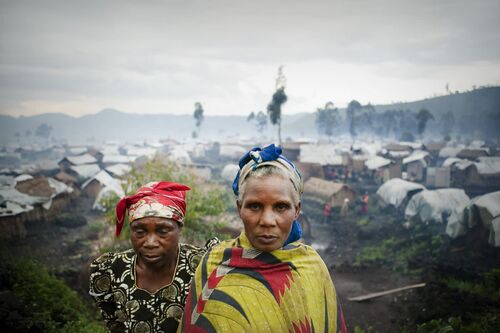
(279, 132)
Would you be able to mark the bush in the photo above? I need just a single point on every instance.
(35, 301)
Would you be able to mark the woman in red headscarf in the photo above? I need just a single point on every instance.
(144, 289)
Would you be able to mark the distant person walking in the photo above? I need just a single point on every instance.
(364, 204)
(327, 209)
(344, 210)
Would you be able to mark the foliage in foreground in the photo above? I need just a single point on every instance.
(32, 300)
(484, 324)
(202, 201)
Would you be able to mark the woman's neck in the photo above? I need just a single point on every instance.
(152, 277)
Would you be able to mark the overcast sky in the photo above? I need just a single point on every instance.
(78, 57)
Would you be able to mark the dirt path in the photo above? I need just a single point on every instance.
(382, 314)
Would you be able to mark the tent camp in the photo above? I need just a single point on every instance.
(324, 191)
(485, 211)
(397, 191)
(437, 206)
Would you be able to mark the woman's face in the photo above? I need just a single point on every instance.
(267, 210)
(155, 239)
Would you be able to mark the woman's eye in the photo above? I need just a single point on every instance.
(163, 231)
(282, 207)
(253, 206)
(139, 232)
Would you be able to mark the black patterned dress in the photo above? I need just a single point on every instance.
(127, 308)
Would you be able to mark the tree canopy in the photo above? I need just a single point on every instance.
(327, 118)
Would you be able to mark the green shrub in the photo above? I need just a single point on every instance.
(44, 302)
(485, 323)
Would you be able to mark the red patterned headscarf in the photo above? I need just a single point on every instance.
(160, 199)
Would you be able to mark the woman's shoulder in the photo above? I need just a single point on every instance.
(189, 248)
(110, 259)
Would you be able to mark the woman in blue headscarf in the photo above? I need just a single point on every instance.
(264, 280)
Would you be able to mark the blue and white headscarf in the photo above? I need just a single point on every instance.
(270, 155)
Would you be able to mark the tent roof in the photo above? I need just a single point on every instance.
(229, 172)
(321, 154)
(376, 162)
(119, 169)
(417, 155)
(488, 165)
(395, 190)
(81, 159)
(117, 158)
(86, 170)
(430, 205)
(102, 177)
(491, 202)
(323, 189)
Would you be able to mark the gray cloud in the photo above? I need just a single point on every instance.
(190, 50)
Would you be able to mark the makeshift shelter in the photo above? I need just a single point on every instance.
(308, 170)
(438, 177)
(232, 152)
(291, 150)
(83, 171)
(69, 161)
(109, 159)
(473, 153)
(397, 192)
(320, 154)
(483, 211)
(111, 189)
(229, 172)
(484, 173)
(323, 191)
(383, 169)
(416, 164)
(31, 200)
(441, 206)
(118, 170)
(95, 184)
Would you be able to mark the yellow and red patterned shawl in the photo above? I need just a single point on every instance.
(237, 288)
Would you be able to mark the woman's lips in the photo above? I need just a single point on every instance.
(267, 239)
(151, 257)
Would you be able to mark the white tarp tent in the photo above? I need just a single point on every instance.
(322, 154)
(438, 206)
(375, 162)
(229, 172)
(396, 190)
(484, 210)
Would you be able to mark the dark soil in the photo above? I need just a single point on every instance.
(466, 259)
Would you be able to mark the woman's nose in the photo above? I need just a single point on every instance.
(151, 241)
(268, 218)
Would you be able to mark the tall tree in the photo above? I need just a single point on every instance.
(327, 119)
(352, 109)
(446, 124)
(198, 116)
(423, 116)
(278, 99)
(260, 120)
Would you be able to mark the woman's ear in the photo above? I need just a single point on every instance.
(238, 206)
(297, 209)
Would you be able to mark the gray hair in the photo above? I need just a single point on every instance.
(269, 170)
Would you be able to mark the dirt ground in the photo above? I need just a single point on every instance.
(381, 314)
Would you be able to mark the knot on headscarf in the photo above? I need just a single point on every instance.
(270, 155)
(160, 199)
